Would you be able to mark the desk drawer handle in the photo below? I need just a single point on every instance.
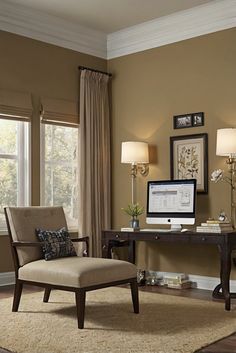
(157, 237)
(117, 236)
(203, 238)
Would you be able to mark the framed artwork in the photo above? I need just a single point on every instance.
(188, 120)
(189, 159)
(182, 121)
(198, 119)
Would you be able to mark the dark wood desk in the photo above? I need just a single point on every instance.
(226, 242)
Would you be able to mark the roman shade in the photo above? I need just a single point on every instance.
(15, 105)
(59, 112)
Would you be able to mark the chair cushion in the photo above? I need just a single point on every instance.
(57, 243)
(77, 272)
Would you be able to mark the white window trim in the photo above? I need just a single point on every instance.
(23, 154)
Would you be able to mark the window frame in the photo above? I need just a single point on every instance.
(22, 156)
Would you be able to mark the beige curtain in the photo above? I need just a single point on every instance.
(94, 158)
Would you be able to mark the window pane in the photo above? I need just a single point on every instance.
(59, 166)
(60, 143)
(8, 185)
(14, 165)
(8, 136)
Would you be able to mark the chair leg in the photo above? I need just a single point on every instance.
(17, 295)
(80, 296)
(46, 296)
(134, 293)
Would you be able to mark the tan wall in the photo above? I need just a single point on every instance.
(44, 70)
(148, 89)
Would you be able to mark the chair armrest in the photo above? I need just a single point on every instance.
(27, 243)
(82, 239)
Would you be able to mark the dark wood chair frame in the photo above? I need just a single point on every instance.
(80, 293)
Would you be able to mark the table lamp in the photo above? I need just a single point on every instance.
(136, 154)
(226, 146)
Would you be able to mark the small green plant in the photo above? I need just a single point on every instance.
(134, 210)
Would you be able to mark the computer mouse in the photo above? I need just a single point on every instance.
(184, 230)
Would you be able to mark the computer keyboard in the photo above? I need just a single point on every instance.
(159, 230)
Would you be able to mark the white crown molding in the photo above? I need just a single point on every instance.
(7, 278)
(37, 25)
(211, 17)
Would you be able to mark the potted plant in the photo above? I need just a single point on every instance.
(134, 210)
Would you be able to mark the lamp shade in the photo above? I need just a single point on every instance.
(134, 152)
(226, 142)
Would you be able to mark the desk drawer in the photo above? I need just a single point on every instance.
(115, 235)
(207, 239)
(160, 237)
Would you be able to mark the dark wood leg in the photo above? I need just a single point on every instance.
(131, 251)
(217, 292)
(106, 250)
(134, 293)
(226, 269)
(17, 295)
(46, 296)
(80, 296)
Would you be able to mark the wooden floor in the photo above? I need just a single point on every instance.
(226, 345)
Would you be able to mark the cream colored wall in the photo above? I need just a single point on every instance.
(44, 70)
(148, 89)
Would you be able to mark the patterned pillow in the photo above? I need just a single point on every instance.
(57, 243)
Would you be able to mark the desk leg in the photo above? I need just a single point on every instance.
(217, 292)
(225, 269)
(106, 250)
(225, 276)
(131, 251)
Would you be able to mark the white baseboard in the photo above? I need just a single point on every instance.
(209, 283)
(7, 278)
(202, 282)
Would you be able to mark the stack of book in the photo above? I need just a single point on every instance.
(177, 281)
(129, 229)
(214, 227)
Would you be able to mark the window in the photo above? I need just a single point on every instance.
(14, 165)
(59, 152)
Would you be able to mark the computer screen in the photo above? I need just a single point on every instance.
(171, 202)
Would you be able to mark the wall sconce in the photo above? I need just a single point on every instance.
(226, 146)
(136, 154)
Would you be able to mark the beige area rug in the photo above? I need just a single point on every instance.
(166, 324)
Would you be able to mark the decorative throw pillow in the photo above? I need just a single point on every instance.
(57, 243)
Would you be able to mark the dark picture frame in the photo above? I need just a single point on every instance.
(198, 119)
(189, 159)
(188, 120)
(182, 121)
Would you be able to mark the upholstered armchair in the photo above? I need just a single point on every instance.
(70, 273)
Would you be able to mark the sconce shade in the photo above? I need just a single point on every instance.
(226, 142)
(134, 152)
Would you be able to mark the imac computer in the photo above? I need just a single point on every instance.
(171, 202)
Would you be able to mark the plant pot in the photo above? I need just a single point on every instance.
(134, 223)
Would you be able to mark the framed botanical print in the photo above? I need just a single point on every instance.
(189, 159)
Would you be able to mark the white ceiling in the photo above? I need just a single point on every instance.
(109, 15)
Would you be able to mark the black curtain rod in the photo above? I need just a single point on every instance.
(101, 72)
